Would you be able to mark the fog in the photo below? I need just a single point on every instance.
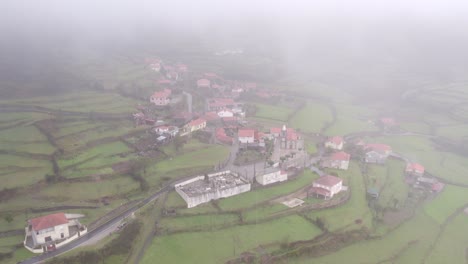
(349, 40)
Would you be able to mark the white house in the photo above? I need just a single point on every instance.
(327, 186)
(194, 125)
(246, 136)
(169, 130)
(48, 232)
(271, 176)
(338, 160)
(334, 143)
(225, 113)
(161, 98)
(49, 228)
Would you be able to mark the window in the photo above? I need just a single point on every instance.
(61, 235)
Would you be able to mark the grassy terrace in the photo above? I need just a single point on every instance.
(407, 244)
(197, 247)
(356, 208)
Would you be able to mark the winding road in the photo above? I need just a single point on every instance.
(100, 231)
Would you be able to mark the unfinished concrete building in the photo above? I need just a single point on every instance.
(202, 189)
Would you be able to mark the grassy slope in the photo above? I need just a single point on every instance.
(199, 247)
(312, 118)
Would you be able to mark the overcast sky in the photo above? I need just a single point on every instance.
(123, 15)
(414, 35)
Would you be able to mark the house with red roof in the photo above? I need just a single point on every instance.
(388, 122)
(48, 232)
(218, 104)
(339, 160)
(326, 187)
(225, 113)
(194, 125)
(335, 142)
(271, 175)
(203, 83)
(377, 153)
(246, 136)
(414, 169)
(161, 98)
(155, 65)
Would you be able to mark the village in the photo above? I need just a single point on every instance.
(259, 155)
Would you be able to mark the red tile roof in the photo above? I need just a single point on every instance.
(415, 167)
(246, 133)
(164, 81)
(378, 147)
(48, 221)
(211, 116)
(388, 121)
(162, 94)
(336, 140)
(197, 122)
(222, 136)
(340, 156)
(328, 180)
(291, 133)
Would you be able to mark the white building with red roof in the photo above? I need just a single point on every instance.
(161, 98)
(203, 83)
(194, 125)
(48, 232)
(225, 113)
(218, 104)
(326, 187)
(246, 136)
(335, 142)
(414, 169)
(377, 153)
(339, 160)
(271, 175)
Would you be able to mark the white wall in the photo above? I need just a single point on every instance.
(55, 234)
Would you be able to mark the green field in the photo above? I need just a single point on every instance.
(198, 247)
(412, 236)
(278, 113)
(312, 118)
(449, 200)
(452, 244)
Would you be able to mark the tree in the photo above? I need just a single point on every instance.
(8, 218)
(178, 142)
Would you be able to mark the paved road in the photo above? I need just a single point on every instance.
(98, 232)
